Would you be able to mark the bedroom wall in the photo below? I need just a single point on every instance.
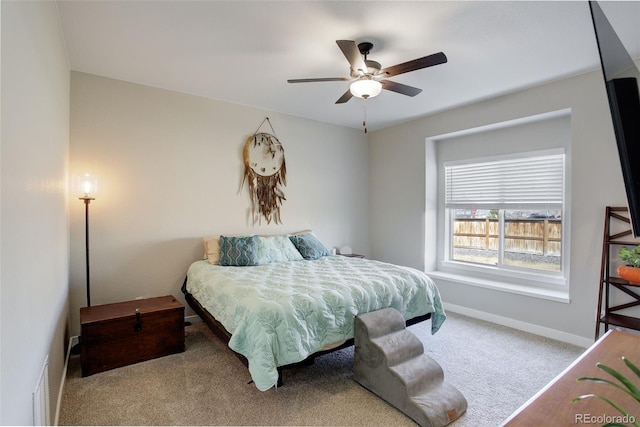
(398, 217)
(34, 246)
(170, 167)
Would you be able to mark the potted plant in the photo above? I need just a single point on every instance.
(631, 270)
(624, 384)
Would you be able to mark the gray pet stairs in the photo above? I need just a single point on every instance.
(389, 360)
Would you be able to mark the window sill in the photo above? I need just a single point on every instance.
(531, 291)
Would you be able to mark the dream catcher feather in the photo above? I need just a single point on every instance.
(265, 173)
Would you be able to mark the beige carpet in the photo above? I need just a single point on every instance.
(496, 368)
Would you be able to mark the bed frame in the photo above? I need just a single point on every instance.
(218, 329)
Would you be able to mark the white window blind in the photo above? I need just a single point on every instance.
(513, 183)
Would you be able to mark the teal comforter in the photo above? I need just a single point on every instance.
(281, 313)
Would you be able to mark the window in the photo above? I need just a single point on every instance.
(506, 213)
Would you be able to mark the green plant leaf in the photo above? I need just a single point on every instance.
(631, 366)
(603, 381)
(634, 391)
(631, 257)
(604, 399)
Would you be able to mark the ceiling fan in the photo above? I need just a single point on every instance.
(369, 78)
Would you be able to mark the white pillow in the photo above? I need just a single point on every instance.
(212, 249)
(302, 232)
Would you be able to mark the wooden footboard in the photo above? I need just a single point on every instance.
(218, 329)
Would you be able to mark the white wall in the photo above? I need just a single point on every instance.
(398, 217)
(34, 224)
(170, 166)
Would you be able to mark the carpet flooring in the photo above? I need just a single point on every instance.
(496, 368)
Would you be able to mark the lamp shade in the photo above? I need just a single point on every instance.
(85, 185)
(365, 88)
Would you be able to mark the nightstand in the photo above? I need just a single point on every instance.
(119, 334)
(353, 255)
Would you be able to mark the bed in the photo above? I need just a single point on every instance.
(281, 312)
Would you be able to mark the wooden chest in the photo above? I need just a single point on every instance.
(115, 335)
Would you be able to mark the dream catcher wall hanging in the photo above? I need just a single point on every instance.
(265, 173)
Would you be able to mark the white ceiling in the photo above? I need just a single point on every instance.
(244, 51)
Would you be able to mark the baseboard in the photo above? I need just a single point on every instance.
(72, 341)
(521, 326)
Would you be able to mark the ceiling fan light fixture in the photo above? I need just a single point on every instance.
(366, 88)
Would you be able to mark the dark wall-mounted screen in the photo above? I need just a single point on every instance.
(621, 79)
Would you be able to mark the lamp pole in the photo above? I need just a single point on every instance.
(87, 200)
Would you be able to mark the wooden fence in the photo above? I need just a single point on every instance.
(529, 236)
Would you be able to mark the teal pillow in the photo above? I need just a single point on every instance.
(276, 249)
(309, 246)
(239, 251)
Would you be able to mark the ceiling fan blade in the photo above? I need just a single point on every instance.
(353, 55)
(400, 88)
(345, 97)
(325, 79)
(416, 64)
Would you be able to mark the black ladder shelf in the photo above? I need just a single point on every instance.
(607, 314)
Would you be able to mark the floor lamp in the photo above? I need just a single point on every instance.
(87, 185)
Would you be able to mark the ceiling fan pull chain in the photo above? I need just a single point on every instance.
(364, 119)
